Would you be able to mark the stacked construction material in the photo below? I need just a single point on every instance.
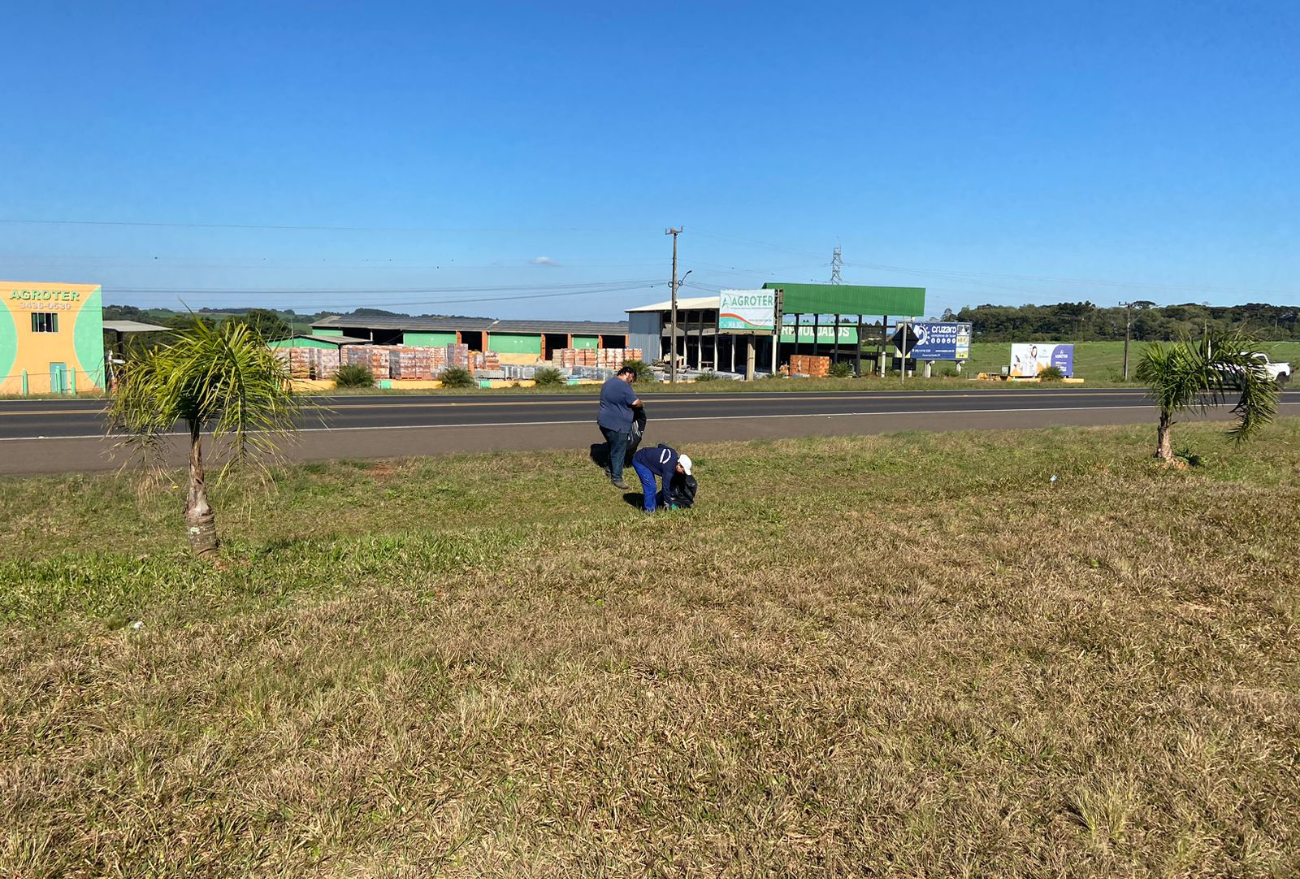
(410, 362)
(608, 358)
(309, 363)
(325, 363)
(813, 367)
(283, 355)
(375, 358)
(486, 360)
(614, 358)
(379, 361)
(457, 355)
(300, 363)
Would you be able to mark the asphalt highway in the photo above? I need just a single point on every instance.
(67, 435)
(73, 418)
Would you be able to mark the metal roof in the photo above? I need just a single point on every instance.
(133, 326)
(337, 340)
(694, 303)
(474, 325)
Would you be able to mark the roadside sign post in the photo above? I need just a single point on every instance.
(902, 367)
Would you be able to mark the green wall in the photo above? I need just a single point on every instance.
(327, 332)
(8, 343)
(88, 338)
(586, 341)
(429, 340)
(515, 343)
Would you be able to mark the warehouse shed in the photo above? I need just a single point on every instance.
(524, 340)
(846, 322)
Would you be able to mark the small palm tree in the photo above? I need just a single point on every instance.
(1190, 375)
(223, 378)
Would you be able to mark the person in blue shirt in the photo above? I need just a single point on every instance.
(660, 461)
(617, 399)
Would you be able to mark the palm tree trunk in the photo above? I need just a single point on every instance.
(1164, 441)
(200, 521)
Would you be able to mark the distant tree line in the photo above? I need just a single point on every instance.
(1085, 322)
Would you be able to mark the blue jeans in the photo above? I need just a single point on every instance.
(647, 486)
(617, 442)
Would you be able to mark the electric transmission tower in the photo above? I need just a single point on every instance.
(836, 262)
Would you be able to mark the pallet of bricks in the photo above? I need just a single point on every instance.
(375, 358)
(300, 362)
(614, 358)
(806, 364)
(325, 363)
(456, 354)
(487, 360)
(410, 362)
(572, 358)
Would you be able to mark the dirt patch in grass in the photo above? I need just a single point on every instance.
(909, 655)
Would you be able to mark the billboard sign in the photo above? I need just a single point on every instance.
(934, 340)
(1028, 360)
(747, 311)
(825, 334)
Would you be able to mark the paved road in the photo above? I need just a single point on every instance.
(44, 436)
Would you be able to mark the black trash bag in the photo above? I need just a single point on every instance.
(680, 494)
(635, 436)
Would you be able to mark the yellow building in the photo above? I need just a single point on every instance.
(51, 338)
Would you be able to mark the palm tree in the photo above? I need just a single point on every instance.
(222, 377)
(1191, 375)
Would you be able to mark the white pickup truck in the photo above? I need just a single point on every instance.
(1279, 372)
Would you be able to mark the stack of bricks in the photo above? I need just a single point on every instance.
(410, 362)
(379, 360)
(457, 355)
(614, 358)
(309, 363)
(487, 360)
(571, 358)
(325, 363)
(375, 358)
(813, 367)
(300, 363)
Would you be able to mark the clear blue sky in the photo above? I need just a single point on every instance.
(992, 152)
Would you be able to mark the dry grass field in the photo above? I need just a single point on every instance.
(911, 655)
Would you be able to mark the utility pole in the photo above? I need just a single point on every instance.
(672, 363)
(1128, 329)
(1128, 325)
(836, 262)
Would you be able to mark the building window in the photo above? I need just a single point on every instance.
(45, 323)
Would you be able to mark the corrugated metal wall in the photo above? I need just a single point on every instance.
(644, 331)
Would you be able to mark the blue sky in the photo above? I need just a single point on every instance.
(458, 157)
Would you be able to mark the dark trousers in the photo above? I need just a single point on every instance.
(616, 440)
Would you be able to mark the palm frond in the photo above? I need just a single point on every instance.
(1192, 375)
(223, 379)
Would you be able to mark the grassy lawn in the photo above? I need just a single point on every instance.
(913, 654)
(1097, 361)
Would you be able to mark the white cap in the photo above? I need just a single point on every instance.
(685, 461)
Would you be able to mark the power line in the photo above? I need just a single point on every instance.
(427, 303)
(286, 227)
(628, 283)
